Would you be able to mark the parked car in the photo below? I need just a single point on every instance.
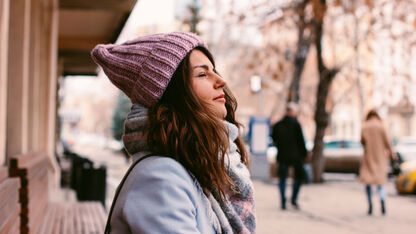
(406, 147)
(406, 181)
(343, 156)
(273, 165)
(340, 155)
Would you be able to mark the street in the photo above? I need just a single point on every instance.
(337, 206)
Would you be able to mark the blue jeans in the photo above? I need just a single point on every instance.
(381, 193)
(283, 173)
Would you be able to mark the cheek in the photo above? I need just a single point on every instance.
(201, 90)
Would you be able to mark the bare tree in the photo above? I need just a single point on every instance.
(326, 76)
(292, 29)
(302, 49)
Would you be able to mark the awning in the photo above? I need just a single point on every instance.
(84, 24)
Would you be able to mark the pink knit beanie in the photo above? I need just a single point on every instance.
(143, 67)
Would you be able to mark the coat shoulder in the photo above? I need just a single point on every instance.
(158, 195)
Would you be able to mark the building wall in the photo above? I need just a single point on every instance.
(4, 32)
(18, 78)
(28, 74)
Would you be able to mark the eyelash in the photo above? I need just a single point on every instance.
(204, 74)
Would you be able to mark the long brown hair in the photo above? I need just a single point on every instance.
(373, 114)
(180, 127)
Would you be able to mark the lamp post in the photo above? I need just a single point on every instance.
(255, 86)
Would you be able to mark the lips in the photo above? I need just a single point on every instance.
(220, 98)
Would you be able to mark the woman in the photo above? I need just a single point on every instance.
(377, 150)
(192, 176)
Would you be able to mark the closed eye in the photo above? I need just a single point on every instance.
(202, 74)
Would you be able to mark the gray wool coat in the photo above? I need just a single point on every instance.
(159, 196)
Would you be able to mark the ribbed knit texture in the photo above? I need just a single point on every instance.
(142, 68)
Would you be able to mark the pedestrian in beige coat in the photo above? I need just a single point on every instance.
(375, 163)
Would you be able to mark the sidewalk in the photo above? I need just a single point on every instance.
(337, 206)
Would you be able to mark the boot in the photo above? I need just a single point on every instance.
(383, 208)
(283, 204)
(295, 205)
(370, 209)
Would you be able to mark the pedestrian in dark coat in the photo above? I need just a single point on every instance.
(288, 137)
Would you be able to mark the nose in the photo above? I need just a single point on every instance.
(219, 82)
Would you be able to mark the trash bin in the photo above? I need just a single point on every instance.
(78, 163)
(92, 183)
(88, 181)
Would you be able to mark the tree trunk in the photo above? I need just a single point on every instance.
(325, 79)
(302, 50)
(321, 120)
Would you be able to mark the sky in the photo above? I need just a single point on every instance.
(147, 13)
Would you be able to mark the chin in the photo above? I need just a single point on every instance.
(222, 113)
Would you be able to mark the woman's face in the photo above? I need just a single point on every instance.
(206, 83)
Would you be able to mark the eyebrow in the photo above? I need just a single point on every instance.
(201, 66)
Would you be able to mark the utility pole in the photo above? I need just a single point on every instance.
(194, 8)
